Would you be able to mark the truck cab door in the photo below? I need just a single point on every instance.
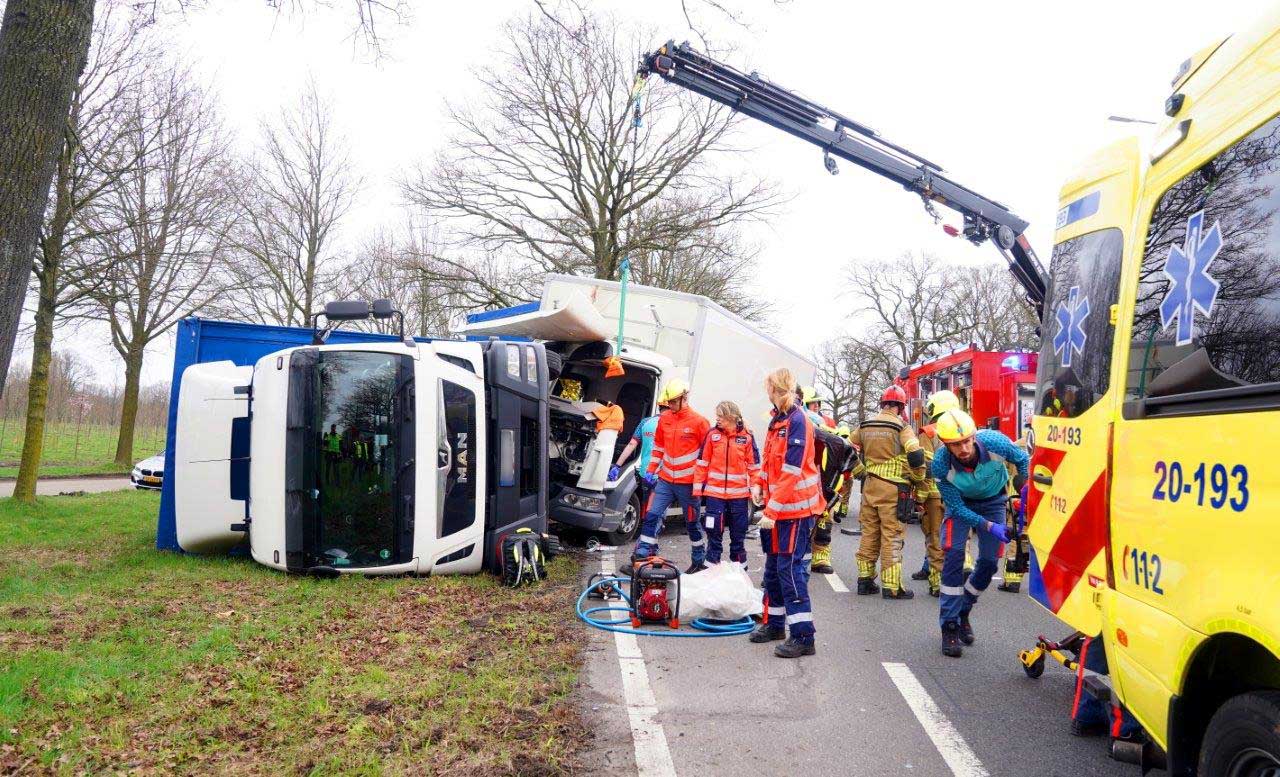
(451, 467)
(1076, 399)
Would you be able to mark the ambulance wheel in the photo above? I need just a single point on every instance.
(1243, 738)
(628, 526)
(1036, 668)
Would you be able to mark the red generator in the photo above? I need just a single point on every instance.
(997, 388)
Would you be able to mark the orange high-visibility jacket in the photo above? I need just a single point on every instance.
(729, 461)
(789, 476)
(675, 445)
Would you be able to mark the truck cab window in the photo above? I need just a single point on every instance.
(1207, 314)
(457, 445)
(1075, 354)
(356, 425)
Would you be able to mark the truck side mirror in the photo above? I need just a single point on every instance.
(382, 308)
(346, 310)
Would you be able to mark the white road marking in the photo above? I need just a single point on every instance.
(653, 756)
(836, 583)
(951, 746)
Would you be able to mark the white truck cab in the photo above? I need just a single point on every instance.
(379, 458)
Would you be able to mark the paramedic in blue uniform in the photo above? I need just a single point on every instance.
(971, 475)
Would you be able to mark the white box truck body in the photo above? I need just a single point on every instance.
(666, 334)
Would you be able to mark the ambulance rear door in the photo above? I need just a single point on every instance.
(1076, 394)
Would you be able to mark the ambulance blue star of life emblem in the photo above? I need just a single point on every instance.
(1071, 336)
(1191, 287)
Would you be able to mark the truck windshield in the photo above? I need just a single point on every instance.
(357, 425)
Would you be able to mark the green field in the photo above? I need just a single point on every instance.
(68, 451)
(116, 657)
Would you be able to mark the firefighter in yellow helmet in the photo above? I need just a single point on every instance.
(894, 465)
(821, 564)
(1012, 582)
(938, 403)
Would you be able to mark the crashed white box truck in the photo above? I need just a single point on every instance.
(666, 334)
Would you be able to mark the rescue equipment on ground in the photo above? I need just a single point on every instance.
(524, 556)
(603, 618)
(655, 593)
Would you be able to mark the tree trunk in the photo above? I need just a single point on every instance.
(24, 490)
(129, 406)
(44, 45)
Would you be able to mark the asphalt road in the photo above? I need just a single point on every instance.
(53, 487)
(728, 707)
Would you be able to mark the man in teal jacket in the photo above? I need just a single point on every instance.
(971, 475)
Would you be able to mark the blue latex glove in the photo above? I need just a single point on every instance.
(998, 530)
(614, 471)
(650, 478)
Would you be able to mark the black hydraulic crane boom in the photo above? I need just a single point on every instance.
(843, 137)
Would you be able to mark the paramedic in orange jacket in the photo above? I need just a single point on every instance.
(727, 465)
(789, 488)
(669, 476)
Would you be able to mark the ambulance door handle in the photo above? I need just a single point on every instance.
(1044, 480)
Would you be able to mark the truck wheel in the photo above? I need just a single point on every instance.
(554, 365)
(1243, 738)
(629, 526)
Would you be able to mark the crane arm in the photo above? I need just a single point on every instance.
(840, 136)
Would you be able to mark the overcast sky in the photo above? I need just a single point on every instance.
(1006, 96)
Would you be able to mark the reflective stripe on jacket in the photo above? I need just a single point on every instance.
(788, 475)
(676, 442)
(727, 464)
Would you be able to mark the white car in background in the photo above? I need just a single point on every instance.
(149, 473)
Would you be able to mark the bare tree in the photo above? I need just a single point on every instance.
(399, 265)
(550, 174)
(836, 378)
(166, 226)
(94, 157)
(909, 301)
(989, 311)
(292, 198)
(43, 48)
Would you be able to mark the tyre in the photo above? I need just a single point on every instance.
(554, 365)
(1243, 738)
(1036, 669)
(629, 526)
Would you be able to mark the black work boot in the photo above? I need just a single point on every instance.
(966, 631)
(628, 567)
(867, 586)
(951, 641)
(898, 593)
(794, 648)
(822, 569)
(695, 567)
(935, 591)
(1012, 588)
(766, 633)
(921, 574)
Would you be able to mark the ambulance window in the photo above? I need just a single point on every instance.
(1206, 326)
(1075, 357)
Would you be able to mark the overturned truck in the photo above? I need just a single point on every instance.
(332, 452)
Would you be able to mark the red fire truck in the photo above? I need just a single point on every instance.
(997, 388)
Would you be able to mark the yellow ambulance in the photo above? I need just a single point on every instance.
(1154, 511)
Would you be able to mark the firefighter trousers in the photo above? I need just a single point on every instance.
(931, 525)
(786, 576)
(881, 530)
(662, 496)
(737, 514)
(958, 593)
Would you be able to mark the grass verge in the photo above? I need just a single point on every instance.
(114, 656)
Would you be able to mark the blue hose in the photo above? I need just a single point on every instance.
(707, 627)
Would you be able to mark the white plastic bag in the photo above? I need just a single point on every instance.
(721, 591)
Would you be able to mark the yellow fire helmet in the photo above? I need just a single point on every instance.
(809, 395)
(940, 401)
(674, 389)
(955, 425)
(843, 430)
